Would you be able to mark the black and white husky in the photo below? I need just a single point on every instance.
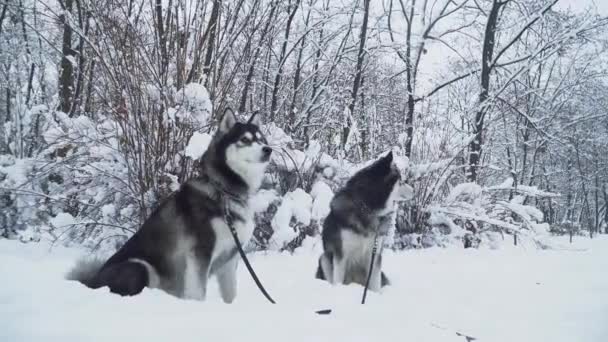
(187, 240)
(362, 209)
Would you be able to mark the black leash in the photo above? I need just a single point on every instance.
(366, 210)
(371, 267)
(230, 221)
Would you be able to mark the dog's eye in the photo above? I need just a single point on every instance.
(245, 140)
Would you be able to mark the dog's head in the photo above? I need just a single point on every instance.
(378, 183)
(242, 148)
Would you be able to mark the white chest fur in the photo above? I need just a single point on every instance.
(357, 248)
(224, 241)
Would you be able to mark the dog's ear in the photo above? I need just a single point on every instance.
(388, 158)
(255, 119)
(228, 120)
(386, 161)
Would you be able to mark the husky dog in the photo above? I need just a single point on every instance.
(186, 240)
(360, 211)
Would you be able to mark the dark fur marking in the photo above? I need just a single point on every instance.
(125, 278)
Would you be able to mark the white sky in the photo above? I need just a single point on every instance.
(600, 5)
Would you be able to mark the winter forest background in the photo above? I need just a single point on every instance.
(497, 109)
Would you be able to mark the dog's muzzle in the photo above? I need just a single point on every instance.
(266, 152)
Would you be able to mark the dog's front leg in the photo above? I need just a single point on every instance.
(226, 277)
(375, 282)
(204, 277)
(326, 265)
(339, 266)
(195, 277)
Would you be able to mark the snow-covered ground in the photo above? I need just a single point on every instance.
(437, 294)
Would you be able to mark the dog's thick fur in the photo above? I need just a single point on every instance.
(186, 240)
(359, 211)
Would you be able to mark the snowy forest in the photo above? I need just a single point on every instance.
(497, 109)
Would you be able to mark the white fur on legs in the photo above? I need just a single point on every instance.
(195, 278)
(226, 278)
(327, 268)
(375, 282)
(339, 266)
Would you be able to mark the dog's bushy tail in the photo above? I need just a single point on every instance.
(85, 271)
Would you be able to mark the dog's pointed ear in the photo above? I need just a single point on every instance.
(255, 119)
(386, 161)
(228, 120)
(388, 158)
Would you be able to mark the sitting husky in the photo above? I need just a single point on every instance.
(187, 239)
(360, 211)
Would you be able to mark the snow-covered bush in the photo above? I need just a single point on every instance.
(106, 107)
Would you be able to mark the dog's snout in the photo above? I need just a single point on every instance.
(267, 150)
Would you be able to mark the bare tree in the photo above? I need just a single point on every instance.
(417, 33)
(358, 75)
(488, 64)
(292, 8)
(66, 78)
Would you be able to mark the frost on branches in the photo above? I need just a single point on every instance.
(106, 107)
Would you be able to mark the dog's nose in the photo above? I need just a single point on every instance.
(267, 150)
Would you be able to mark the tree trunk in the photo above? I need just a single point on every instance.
(162, 37)
(605, 193)
(66, 77)
(410, 106)
(3, 15)
(83, 26)
(296, 79)
(315, 88)
(5, 112)
(358, 74)
(87, 103)
(213, 23)
(475, 146)
(282, 57)
(256, 55)
(596, 195)
(365, 127)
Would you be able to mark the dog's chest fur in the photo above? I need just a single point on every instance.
(243, 223)
(357, 248)
(224, 248)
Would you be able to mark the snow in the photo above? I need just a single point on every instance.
(292, 160)
(282, 231)
(288, 159)
(14, 171)
(262, 200)
(276, 136)
(509, 184)
(322, 196)
(196, 97)
(62, 220)
(108, 210)
(296, 204)
(198, 144)
(500, 295)
(465, 192)
(580, 6)
(406, 192)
